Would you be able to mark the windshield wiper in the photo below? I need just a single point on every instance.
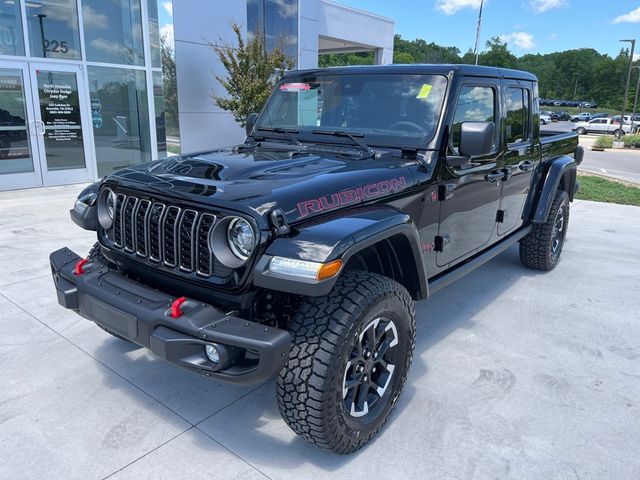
(351, 136)
(289, 132)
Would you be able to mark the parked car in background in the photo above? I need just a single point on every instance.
(581, 117)
(588, 105)
(599, 115)
(544, 118)
(602, 126)
(560, 116)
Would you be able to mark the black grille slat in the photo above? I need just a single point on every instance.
(128, 223)
(141, 217)
(169, 228)
(203, 252)
(155, 232)
(165, 234)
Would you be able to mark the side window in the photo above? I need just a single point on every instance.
(517, 115)
(475, 104)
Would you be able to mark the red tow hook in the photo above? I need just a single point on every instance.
(176, 311)
(79, 268)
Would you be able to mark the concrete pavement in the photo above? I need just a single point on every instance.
(517, 375)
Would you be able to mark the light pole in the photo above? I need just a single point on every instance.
(477, 46)
(41, 17)
(626, 88)
(635, 100)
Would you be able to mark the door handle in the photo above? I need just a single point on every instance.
(526, 166)
(33, 128)
(39, 124)
(494, 176)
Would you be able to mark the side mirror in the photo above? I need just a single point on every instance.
(250, 122)
(476, 138)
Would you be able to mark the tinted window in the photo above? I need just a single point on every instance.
(53, 28)
(517, 115)
(10, 29)
(475, 104)
(113, 31)
(277, 20)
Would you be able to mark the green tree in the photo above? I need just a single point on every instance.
(498, 55)
(251, 73)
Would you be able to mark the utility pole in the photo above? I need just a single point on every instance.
(635, 100)
(626, 88)
(476, 50)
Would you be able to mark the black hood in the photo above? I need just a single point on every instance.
(257, 181)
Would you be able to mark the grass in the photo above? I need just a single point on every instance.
(576, 110)
(632, 141)
(604, 141)
(600, 189)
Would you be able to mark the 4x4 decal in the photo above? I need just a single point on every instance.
(351, 196)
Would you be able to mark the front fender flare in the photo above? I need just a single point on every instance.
(338, 237)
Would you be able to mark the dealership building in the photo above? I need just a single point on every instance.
(83, 91)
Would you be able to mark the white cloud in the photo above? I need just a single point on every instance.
(636, 57)
(541, 6)
(450, 7)
(631, 17)
(93, 19)
(553, 36)
(168, 6)
(522, 40)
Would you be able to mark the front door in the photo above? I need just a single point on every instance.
(44, 117)
(520, 155)
(470, 193)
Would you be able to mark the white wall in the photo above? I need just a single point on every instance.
(196, 22)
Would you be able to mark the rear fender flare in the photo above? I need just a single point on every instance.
(561, 173)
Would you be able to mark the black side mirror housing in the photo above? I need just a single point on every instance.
(250, 122)
(476, 138)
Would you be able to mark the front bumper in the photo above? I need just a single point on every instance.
(250, 352)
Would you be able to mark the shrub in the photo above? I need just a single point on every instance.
(632, 141)
(604, 141)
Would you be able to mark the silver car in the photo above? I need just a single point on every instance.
(602, 126)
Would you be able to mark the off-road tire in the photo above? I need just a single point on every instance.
(325, 331)
(96, 254)
(537, 248)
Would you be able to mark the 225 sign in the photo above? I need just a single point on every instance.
(55, 46)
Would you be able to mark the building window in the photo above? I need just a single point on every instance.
(113, 31)
(53, 29)
(158, 101)
(120, 118)
(154, 32)
(11, 28)
(15, 150)
(277, 20)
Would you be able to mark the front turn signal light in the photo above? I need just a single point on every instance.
(329, 270)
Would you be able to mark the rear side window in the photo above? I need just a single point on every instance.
(475, 104)
(517, 112)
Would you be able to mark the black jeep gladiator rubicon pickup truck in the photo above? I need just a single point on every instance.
(300, 253)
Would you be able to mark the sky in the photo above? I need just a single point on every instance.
(528, 26)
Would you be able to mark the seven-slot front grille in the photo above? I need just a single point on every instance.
(165, 234)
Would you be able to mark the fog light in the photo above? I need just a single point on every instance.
(212, 353)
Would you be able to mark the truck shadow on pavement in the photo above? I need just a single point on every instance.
(250, 426)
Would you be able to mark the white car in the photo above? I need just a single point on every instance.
(602, 125)
(544, 119)
(581, 117)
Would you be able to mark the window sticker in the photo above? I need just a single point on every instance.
(424, 91)
(295, 87)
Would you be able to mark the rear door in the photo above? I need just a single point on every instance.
(520, 154)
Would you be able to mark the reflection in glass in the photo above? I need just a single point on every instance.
(53, 28)
(60, 113)
(15, 152)
(154, 32)
(113, 31)
(278, 21)
(120, 118)
(11, 28)
(158, 98)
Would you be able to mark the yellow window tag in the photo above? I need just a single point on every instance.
(424, 91)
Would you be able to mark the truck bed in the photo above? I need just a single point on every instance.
(554, 144)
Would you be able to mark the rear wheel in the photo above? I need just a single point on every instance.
(541, 248)
(581, 131)
(351, 353)
(618, 133)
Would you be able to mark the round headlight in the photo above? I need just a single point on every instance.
(241, 238)
(106, 208)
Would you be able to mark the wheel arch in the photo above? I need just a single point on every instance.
(561, 174)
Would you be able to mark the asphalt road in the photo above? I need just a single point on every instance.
(621, 164)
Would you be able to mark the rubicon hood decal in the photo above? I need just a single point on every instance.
(350, 197)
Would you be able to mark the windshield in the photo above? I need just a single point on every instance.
(386, 109)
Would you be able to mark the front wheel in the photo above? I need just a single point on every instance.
(349, 361)
(581, 131)
(541, 248)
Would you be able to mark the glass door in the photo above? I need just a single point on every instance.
(60, 122)
(19, 160)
